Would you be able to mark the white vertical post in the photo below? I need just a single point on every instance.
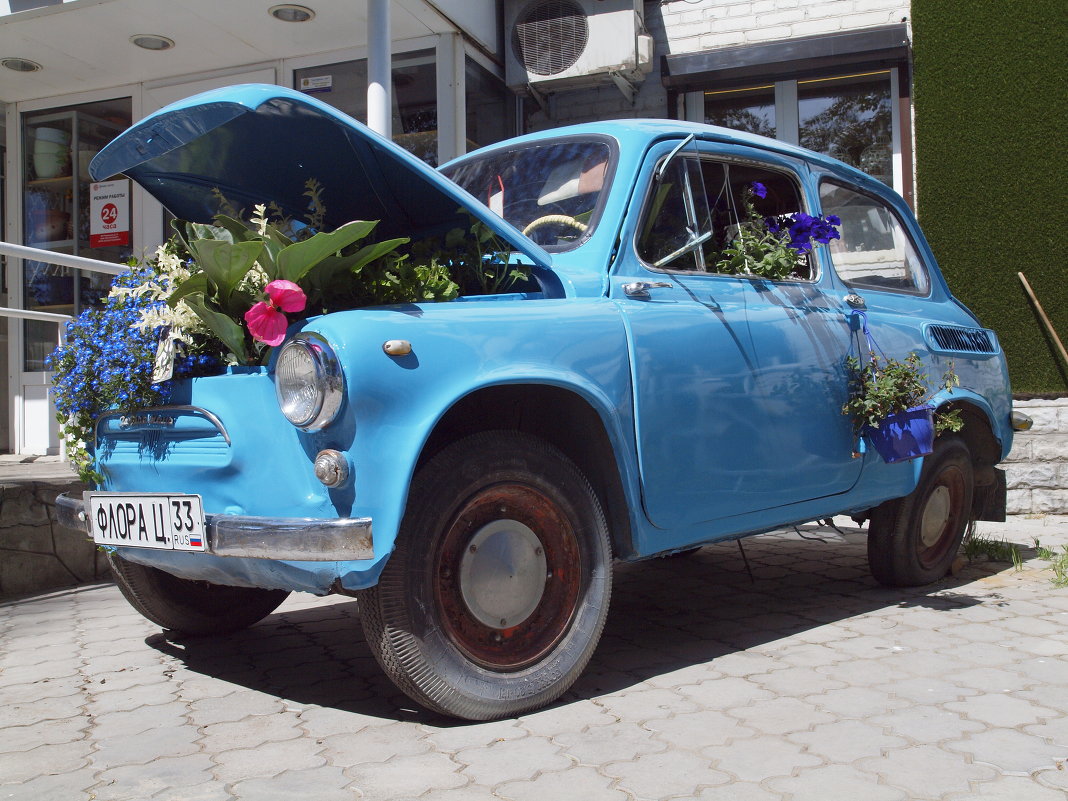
(895, 134)
(787, 116)
(694, 105)
(379, 69)
(451, 97)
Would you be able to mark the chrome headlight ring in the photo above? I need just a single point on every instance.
(309, 383)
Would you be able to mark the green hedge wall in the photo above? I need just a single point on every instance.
(991, 88)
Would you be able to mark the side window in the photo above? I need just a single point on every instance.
(672, 220)
(874, 251)
(700, 212)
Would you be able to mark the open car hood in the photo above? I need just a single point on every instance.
(258, 143)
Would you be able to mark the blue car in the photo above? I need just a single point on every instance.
(470, 469)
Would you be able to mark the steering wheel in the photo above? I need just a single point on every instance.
(555, 219)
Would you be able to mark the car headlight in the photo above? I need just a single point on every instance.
(309, 382)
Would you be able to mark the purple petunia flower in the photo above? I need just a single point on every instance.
(758, 189)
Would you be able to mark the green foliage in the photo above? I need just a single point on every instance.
(233, 262)
(991, 112)
(475, 258)
(882, 386)
(757, 250)
(977, 546)
(336, 270)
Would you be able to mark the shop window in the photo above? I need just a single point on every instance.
(490, 106)
(846, 94)
(751, 110)
(415, 110)
(849, 117)
(63, 210)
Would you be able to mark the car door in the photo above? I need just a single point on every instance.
(739, 381)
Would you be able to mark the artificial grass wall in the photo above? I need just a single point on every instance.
(991, 89)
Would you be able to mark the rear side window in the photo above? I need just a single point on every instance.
(875, 252)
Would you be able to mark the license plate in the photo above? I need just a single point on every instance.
(147, 520)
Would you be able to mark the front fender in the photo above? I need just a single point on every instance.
(394, 402)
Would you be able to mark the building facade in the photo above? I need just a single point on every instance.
(831, 75)
(74, 74)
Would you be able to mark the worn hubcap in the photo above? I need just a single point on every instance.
(941, 519)
(507, 576)
(502, 574)
(935, 516)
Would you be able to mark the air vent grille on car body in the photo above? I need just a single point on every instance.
(550, 36)
(963, 340)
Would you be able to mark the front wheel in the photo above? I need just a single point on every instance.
(913, 540)
(191, 607)
(497, 591)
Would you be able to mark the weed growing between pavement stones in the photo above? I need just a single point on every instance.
(976, 546)
(1058, 563)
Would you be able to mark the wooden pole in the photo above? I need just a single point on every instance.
(1045, 319)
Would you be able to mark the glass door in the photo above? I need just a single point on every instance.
(59, 201)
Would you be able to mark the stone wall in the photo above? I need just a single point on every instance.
(1037, 468)
(684, 26)
(36, 553)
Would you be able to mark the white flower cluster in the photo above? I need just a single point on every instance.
(74, 430)
(256, 278)
(170, 273)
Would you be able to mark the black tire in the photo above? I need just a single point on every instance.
(191, 607)
(499, 524)
(913, 540)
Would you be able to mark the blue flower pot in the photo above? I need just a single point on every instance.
(904, 435)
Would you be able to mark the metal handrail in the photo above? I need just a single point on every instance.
(62, 259)
(26, 314)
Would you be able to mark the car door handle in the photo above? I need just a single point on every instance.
(640, 289)
(855, 301)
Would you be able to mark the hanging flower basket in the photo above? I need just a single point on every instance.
(903, 435)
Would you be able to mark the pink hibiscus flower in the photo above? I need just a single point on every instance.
(266, 320)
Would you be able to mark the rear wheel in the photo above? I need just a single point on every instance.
(495, 596)
(191, 607)
(913, 540)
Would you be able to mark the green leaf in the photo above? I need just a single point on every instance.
(297, 259)
(239, 232)
(225, 263)
(222, 325)
(196, 284)
(369, 253)
(202, 231)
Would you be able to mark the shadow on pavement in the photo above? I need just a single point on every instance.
(667, 614)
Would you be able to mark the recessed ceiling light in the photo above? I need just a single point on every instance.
(291, 13)
(20, 64)
(151, 41)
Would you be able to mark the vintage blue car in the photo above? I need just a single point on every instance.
(470, 469)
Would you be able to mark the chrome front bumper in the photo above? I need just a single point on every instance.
(307, 539)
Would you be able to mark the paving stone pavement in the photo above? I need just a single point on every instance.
(809, 682)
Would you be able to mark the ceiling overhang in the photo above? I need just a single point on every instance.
(84, 45)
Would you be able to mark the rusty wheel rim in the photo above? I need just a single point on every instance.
(507, 576)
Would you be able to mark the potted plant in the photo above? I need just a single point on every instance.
(889, 404)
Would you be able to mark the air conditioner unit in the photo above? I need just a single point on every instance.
(555, 45)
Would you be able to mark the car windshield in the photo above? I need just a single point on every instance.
(552, 191)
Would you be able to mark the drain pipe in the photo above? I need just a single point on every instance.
(379, 69)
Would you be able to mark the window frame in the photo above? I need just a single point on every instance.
(815, 264)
